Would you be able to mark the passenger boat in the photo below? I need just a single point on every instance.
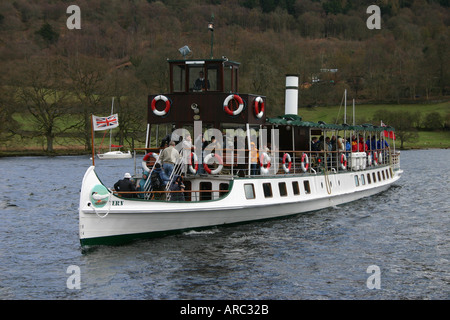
(265, 167)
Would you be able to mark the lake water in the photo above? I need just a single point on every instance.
(322, 255)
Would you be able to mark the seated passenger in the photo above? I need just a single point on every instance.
(177, 185)
(125, 184)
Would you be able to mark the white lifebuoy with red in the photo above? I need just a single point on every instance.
(193, 168)
(369, 159)
(147, 158)
(375, 158)
(287, 158)
(166, 109)
(259, 111)
(239, 101)
(343, 162)
(264, 159)
(209, 157)
(305, 162)
(380, 157)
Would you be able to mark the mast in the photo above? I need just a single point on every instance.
(110, 130)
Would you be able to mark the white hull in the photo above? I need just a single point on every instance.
(127, 219)
(114, 155)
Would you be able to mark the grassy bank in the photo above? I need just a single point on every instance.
(18, 146)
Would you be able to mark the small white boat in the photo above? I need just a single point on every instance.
(110, 155)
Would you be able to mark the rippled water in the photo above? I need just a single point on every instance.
(321, 255)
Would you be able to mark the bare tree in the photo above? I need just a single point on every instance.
(40, 90)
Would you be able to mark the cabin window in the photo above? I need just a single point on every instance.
(249, 190)
(374, 177)
(387, 173)
(207, 194)
(392, 173)
(307, 187)
(267, 187)
(384, 177)
(363, 181)
(223, 187)
(295, 188)
(368, 179)
(379, 176)
(356, 181)
(179, 76)
(282, 188)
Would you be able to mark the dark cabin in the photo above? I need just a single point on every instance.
(188, 102)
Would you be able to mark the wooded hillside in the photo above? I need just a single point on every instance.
(122, 46)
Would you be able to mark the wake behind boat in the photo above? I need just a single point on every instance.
(225, 162)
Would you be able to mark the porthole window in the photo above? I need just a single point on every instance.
(306, 186)
(295, 188)
(267, 188)
(356, 181)
(249, 190)
(282, 188)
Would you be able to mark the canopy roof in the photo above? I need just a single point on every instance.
(295, 120)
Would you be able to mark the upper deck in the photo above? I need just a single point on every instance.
(200, 89)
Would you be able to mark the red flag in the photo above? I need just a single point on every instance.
(388, 134)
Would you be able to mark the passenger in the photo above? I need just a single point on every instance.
(333, 143)
(159, 172)
(354, 144)
(254, 168)
(177, 185)
(361, 144)
(125, 184)
(340, 144)
(314, 144)
(141, 186)
(373, 143)
(200, 83)
(169, 157)
(382, 144)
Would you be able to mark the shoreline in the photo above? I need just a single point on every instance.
(75, 152)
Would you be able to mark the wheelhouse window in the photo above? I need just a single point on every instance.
(267, 188)
(249, 190)
(282, 188)
(179, 78)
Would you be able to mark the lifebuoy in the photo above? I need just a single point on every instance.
(238, 99)
(153, 105)
(343, 162)
(259, 112)
(305, 162)
(193, 169)
(369, 159)
(147, 158)
(375, 158)
(264, 157)
(205, 163)
(380, 158)
(287, 157)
